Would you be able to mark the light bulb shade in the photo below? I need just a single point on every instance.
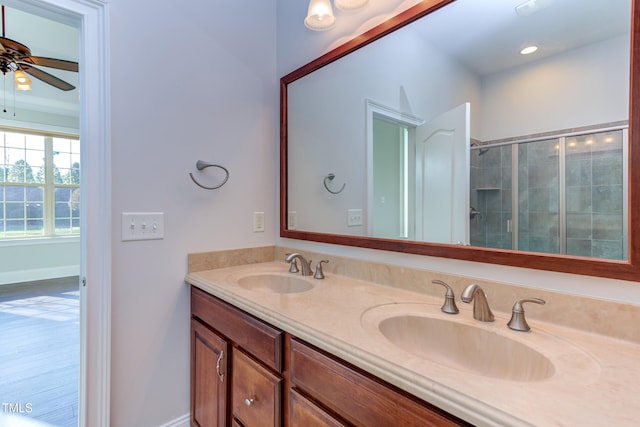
(350, 4)
(319, 15)
(26, 86)
(20, 77)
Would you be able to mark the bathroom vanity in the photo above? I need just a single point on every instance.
(270, 347)
(246, 370)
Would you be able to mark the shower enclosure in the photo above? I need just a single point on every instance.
(563, 193)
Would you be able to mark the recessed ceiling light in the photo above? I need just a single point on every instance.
(528, 50)
(530, 7)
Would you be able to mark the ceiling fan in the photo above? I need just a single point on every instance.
(16, 56)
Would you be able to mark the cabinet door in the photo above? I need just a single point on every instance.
(256, 393)
(209, 362)
(303, 412)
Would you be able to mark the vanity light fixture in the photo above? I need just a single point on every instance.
(349, 4)
(319, 15)
(529, 50)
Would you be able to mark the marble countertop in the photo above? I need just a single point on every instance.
(596, 380)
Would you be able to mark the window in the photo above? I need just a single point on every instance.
(39, 185)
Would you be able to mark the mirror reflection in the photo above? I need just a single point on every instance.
(447, 131)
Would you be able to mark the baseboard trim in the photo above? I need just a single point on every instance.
(21, 276)
(182, 421)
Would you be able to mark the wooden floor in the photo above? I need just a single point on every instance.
(39, 353)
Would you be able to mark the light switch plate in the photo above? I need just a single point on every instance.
(258, 222)
(354, 217)
(142, 226)
(292, 220)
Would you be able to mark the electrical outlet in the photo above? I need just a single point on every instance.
(142, 226)
(354, 217)
(292, 220)
(258, 222)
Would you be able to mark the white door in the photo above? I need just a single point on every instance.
(442, 178)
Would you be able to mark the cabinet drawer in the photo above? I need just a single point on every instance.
(256, 392)
(303, 412)
(357, 397)
(256, 337)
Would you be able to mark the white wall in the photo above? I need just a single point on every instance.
(296, 47)
(559, 91)
(189, 81)
(38, 259)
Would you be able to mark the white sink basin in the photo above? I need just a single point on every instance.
(421, 336)
(275, 283)
(458, 345)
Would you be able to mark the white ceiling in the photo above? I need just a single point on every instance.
(48, 38)
(487, 35)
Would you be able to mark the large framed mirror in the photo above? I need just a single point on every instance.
(433, 134)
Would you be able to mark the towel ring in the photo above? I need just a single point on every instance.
(201, 165)
(330, 177)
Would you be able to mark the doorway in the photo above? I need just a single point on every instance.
(391, 155)
(40, 229)
(92, 18)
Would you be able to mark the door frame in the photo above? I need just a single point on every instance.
(373, 109)
(91, 17)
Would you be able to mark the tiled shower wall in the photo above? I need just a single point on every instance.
(567, 203)
(491, 195)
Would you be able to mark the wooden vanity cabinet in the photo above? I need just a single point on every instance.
(353, 395)
(246, 373)
(236, 366)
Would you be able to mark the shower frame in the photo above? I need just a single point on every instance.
(562, 137)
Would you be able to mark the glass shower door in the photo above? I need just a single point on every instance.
(595, 195)
(566, 196)
(537, 201)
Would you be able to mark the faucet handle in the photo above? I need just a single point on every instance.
(319, 274)
(293, 268)
(518, 321)
(449, 305)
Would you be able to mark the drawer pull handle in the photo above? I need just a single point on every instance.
(248, 401)
(220, 357)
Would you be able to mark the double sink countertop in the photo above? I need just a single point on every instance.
(594, 379)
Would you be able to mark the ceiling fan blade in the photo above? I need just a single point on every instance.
(46, 77)
(60, 64)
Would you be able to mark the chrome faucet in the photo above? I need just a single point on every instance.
(319, 273)
(518, 321)
(481, 310)
(449, 305)
(304, 264)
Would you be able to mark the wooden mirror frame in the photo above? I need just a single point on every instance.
(626, 270)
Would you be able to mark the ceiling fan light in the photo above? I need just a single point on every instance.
(350, 4)
(20, 77)
(319, 15)
(26, 86)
